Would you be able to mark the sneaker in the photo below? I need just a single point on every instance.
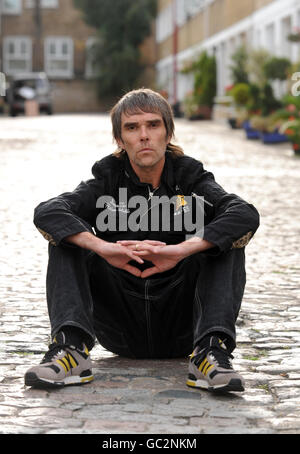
(210, 368)
(62, 365)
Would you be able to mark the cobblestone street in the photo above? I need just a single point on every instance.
(44, 156)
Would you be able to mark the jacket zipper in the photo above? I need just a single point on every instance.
(151, 193)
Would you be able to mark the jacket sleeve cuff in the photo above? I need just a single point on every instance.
(58, 238)
(224, 244)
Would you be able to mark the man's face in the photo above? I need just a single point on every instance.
(144, 137)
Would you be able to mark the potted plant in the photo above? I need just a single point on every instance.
(240, 94)
(238, 67)
(190, 107)
(288, 118)
(242, 118)
(271, 134)
(255, 127)
(292, 130)
(267, 129)
(277, 69)
(205, 86)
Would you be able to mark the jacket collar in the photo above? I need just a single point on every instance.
(167, 176)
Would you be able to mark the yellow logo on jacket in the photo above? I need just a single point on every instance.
(180, 202)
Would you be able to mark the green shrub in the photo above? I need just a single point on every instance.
(241, 94)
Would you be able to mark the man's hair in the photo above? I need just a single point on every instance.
(145, 100)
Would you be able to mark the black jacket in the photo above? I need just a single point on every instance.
(230, 222)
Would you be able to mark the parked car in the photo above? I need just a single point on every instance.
(29, 86)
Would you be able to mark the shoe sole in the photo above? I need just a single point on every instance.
(233, 385)
(31, 379)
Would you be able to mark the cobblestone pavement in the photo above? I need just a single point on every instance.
(42, 157)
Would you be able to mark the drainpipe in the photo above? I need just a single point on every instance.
(1, 36)
(38, 35)
(175, 49)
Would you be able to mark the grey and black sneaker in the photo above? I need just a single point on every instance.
(210, 368)
(62, 365)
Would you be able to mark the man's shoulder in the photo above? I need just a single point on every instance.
(186, 165)
(108, 164)
(187, 161)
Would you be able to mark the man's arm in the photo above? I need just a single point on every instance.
(194, 245)
(233, 221)
(69, 213)
(114, 253)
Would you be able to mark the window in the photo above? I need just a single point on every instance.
(11, 6)
(44, 3)
(91, 64)
(286, 46)
(182, 10)
(186, 9)
(270, 38)
(59, 57)
(164, 24)
(17, 54)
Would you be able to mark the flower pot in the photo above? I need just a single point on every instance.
(252, 134)
(232, 123)
(296, 148)
(204, 112)
(273, 137)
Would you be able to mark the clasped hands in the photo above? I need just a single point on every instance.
(163, 256)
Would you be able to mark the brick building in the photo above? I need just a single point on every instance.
(184, 28)
(54, 38)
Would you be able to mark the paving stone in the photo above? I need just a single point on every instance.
(46, 411)
(111, 426)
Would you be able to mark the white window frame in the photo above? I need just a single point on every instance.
(26, 56)
(58, 42)
(47, 4)
(15, 9)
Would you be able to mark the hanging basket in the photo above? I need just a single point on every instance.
(294, 37)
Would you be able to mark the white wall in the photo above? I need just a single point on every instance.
(266, 28)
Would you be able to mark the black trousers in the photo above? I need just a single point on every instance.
(160, 317)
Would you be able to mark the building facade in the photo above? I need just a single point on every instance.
(185, 28)
(50, 36)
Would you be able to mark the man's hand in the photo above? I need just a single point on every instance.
(164, 257)
(119, 256)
